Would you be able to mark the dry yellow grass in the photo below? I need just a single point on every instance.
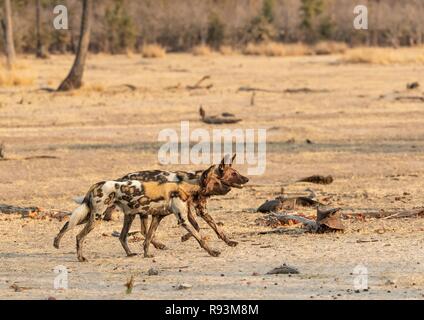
(18, 76)
(385, 56)
(153, 51)
(274, 49)
(330, 47)
(227, 50)
(201, 50)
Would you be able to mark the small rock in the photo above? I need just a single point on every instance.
(184, 286)
(284, 269)
(153, 272)
(412, 85)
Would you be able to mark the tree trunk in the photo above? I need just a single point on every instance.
(39, 51)
(10, 47)
(74, 78)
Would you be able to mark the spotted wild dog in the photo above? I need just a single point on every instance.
(132, 195)
(224, 172)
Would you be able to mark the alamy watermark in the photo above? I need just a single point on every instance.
(360, 22)
(203, 147)
(60, 21)
(360, 279)
(61, 280)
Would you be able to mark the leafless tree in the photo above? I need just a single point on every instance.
(74, 78)
(8, 30)
(39, 50)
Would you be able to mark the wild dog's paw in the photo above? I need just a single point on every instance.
(56, 243)
(148, 255)
(131, 254)
(232, 243)
(185, 237)
(160, 246)
(214, 253)
(82, 259)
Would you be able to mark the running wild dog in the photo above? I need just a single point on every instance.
(133, 195)
(224, 172)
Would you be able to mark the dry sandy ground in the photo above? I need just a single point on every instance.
(373, 147)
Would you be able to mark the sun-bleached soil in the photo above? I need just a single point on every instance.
(374, 148)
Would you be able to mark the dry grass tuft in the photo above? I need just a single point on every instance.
(274, 49)
(129, 53)
(227, 50)
(85, 89)
(330, 47)
(17, 76)
(385, 56)
(201, 50)
(94, 87)
(153, 51)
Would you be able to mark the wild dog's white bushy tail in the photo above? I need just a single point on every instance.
(78, 215)
(79, 199)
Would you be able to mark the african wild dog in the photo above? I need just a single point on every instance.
(132, 195)
(224, 172)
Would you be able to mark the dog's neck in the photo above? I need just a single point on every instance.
(193, 189)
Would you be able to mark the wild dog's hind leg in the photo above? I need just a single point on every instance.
(65, 228)
(123, 237)
(178, 206)
(144, 220)
(69, 225)
(81, 236)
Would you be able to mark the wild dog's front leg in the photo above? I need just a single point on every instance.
(192, 221)
(202, 212)
(123, 237)
(178, 207)
(209, 220)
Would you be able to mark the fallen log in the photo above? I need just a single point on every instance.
(327, 220)
(289, 90)
(317, 179)
(198, 84)
(224, 118)
(25, 212)
(34, 212)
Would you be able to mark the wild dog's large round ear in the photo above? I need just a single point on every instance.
(227, 160)
(203, 177)
(232, 159)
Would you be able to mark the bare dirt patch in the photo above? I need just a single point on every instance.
(372, 147)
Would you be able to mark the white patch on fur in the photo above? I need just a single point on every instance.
(178, 207)
(172, 177)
